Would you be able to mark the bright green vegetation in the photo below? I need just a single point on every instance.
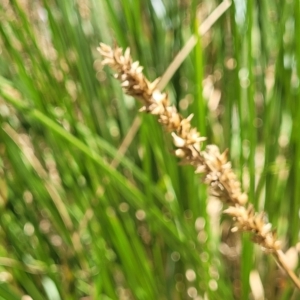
(74, 225)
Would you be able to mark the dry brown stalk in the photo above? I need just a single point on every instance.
(213, 164)
(191, 43)
(172, 68)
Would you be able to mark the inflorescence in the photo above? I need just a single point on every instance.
(214, 165)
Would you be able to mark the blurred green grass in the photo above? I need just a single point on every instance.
(74, 226)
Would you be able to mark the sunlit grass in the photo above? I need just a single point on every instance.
(73, 224)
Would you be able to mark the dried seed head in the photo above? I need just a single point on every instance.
(248, 220)
(213, 164)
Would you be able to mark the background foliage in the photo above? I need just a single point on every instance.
(79, 221)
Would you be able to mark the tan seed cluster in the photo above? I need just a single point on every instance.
(214, 166)
(129, 73)
(221, 178)
(256, 223)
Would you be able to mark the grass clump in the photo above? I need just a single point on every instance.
(93, 204)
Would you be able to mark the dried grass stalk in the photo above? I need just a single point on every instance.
(213, 164)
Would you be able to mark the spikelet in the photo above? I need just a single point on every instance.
(215, 167)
